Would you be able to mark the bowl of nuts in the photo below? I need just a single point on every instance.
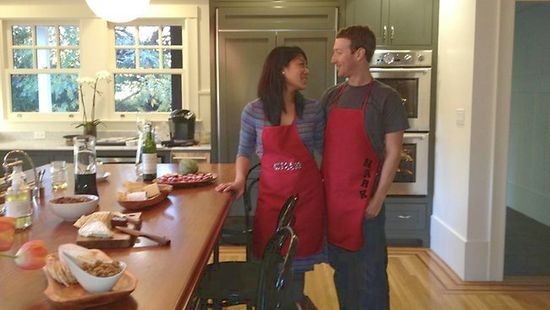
(71, 207)
(95, 276)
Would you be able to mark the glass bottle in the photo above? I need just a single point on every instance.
(18, 199)
(58, 174)
(85, 165)
(149, 154)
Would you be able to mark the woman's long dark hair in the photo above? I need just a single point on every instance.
(272, 83)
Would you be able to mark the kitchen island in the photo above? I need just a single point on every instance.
(167, 276)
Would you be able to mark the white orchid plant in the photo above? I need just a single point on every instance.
(93, 84)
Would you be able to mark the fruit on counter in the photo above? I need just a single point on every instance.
(187, 166)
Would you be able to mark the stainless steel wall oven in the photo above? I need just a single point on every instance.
(409, 72)
(412, 175)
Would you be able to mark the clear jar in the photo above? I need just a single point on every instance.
(18, 199)
(85, 165)
(58, 172)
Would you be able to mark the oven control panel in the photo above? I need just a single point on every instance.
(402, 58)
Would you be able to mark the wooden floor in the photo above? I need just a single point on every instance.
(420, 280)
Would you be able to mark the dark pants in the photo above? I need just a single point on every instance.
(360, 277)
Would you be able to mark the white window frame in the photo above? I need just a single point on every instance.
(14, 116)
(97, 52)
(187, 92)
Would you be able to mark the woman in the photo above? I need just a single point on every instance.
(284, 129)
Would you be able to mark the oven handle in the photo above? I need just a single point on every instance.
(424, 70)
(420, 136)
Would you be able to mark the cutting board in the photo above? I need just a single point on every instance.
(119, 239)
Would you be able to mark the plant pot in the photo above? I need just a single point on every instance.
(90, 129)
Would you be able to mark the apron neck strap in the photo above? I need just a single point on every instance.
(365, 98)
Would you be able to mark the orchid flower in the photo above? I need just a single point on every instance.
(93, 83)
(31, 255)
(7, 232)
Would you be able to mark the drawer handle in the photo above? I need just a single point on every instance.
(404, 217)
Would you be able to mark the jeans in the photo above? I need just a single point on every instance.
(360, 276)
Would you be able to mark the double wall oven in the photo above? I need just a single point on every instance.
(410, 73)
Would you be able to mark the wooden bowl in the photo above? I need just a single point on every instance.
(76, 297)
(140, 204)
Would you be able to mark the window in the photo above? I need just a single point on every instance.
(44, 63)
(151, 59)
(149, 66)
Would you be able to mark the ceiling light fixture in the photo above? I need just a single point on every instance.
(118, 11)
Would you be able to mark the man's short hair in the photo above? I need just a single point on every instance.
(360, 36)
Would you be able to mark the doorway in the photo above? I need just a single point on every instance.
(527, 241)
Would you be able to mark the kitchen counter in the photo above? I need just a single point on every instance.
(45, 151)
(167, 275)
(56, 145)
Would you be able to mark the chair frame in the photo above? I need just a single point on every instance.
(250, 183)
(274, 291)
(282, 231)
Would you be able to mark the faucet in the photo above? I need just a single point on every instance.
(6, 164)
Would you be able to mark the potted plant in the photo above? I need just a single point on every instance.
(89, 124)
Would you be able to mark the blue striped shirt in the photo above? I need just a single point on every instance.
(310, 126)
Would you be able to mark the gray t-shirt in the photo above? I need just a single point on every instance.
(384, 113)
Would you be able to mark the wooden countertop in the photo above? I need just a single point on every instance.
(167, 276)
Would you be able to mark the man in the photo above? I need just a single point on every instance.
(363, 138)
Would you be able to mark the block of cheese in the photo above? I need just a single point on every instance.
(102, 216)
(96, 229)
(136, 196)
(134, 186)
(151, 190)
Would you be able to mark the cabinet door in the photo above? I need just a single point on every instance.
(241, 57)
(411, 22)
(407, 23)
(318, 48)
(367, 13)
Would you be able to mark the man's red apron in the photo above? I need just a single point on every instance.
(350, 168)
(288, 168)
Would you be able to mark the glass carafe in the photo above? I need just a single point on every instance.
(85, 165)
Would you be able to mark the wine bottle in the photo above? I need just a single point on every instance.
(149, 154)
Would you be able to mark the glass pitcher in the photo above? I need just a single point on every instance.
(85, 165)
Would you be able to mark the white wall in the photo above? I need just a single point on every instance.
(474, 71)
(452, 148)
(529, 155)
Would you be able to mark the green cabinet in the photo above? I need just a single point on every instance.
(408, 221)
(244, 37)
(396, 23)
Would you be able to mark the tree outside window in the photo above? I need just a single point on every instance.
(149, 68)
(44, 63)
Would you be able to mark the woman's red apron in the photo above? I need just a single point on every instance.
(288, 168)
(350, 168)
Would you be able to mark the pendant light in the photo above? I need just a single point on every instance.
(118, 11)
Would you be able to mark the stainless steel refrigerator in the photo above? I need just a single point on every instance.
(243, 37)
